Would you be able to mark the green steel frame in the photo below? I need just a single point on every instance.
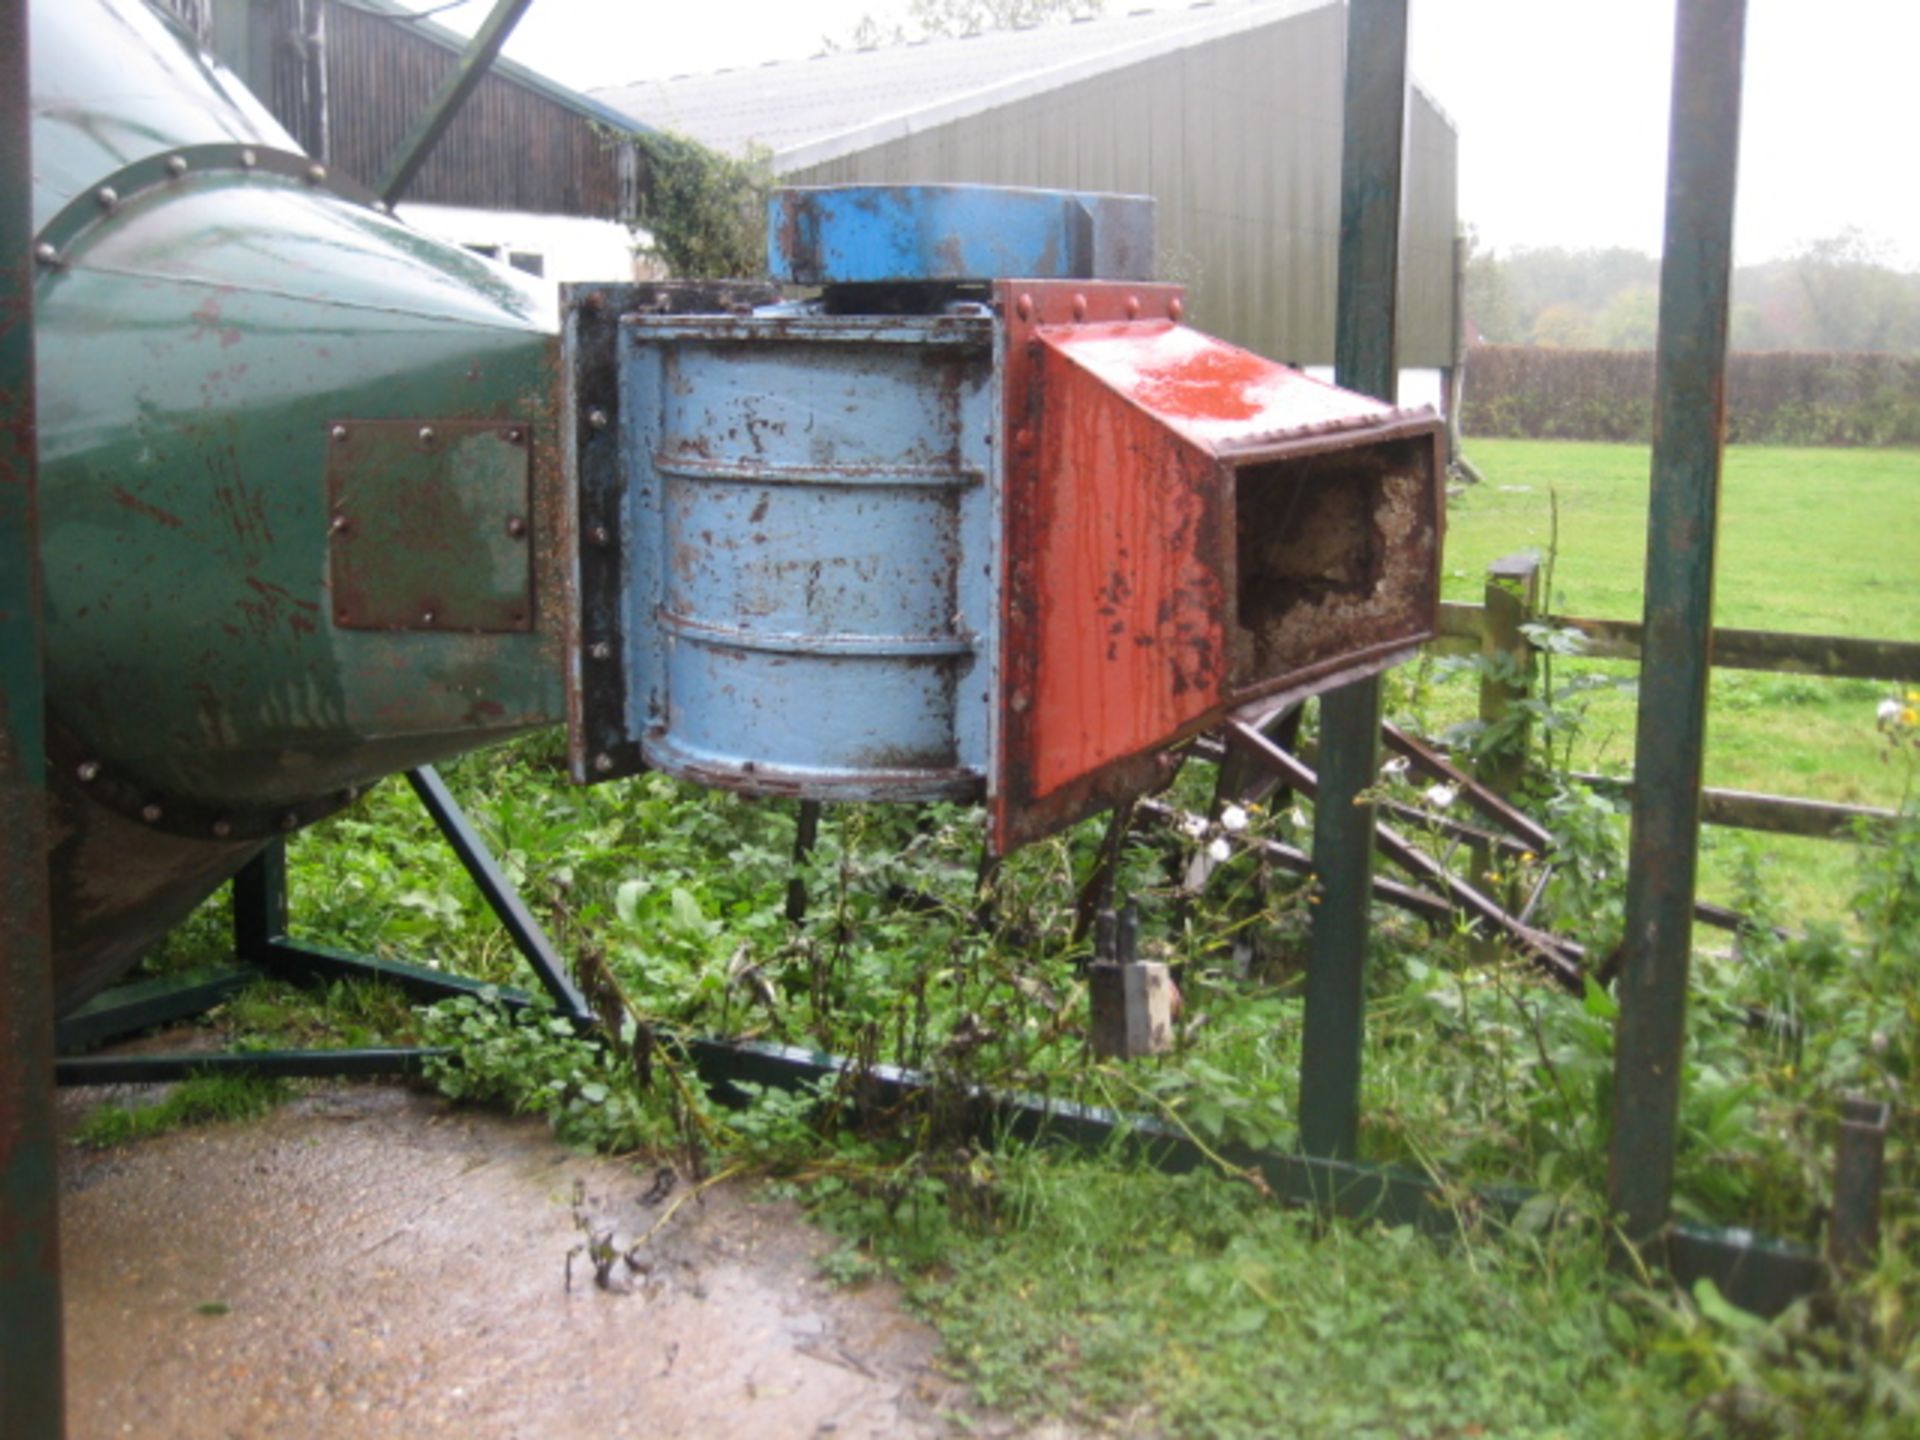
(264, 945)
(1364, 360)
(31, 1372)
(1751, 1271)
(1682, 529)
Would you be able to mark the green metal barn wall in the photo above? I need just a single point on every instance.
(1249, 216)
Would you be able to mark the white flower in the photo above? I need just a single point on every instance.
(1298, 817)
(1441, 796)
(1233, 819)
(1889, 711)
(1395, 768)
(1218, 849)
(1195, 826)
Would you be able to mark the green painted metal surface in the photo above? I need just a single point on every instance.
(30, 1348)
(1364, 360)
(213, 309)
(1682, 529)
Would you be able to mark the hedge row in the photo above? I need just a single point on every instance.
(1773, 398)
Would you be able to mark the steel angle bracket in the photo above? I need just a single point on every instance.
(602, 740)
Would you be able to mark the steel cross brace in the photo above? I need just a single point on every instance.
(262, 944)
(1563, 960)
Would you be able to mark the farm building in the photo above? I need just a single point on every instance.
(530, 173)
(1227, 112)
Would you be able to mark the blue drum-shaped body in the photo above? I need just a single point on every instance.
(813, 542)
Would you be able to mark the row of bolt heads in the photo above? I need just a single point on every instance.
(88, 771)
(109, 199)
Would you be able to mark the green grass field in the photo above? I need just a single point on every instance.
(1816, 541)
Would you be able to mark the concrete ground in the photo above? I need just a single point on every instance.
(372, 1262)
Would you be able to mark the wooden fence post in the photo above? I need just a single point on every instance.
(1513, 593)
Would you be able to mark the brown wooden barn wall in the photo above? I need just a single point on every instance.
(511, 148)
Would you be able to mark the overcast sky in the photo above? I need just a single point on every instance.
(1561, 104)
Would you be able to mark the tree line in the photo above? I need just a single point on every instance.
(1839, 293)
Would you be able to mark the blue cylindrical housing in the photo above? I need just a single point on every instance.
(814, 508)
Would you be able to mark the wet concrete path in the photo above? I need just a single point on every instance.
(372, 1262)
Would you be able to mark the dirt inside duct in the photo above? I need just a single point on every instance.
(370, 1261)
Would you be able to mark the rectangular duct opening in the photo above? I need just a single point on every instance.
(1322, 547)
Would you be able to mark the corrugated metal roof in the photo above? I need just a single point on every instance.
(810, 111)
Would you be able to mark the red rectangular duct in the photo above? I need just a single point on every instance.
(1190, 529)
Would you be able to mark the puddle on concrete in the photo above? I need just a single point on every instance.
(370, 1261)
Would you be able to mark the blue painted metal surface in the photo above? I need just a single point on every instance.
(891, 234)
(811, 545)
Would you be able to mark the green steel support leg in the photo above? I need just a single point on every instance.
(31, 1373)
(1682, 524)
(1336, 964)
(1364, 360)
(260, 905)
(412, 152)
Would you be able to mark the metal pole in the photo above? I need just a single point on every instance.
(411, 153)
(1682, 524)
(31, 1398)
(1364, 360)
(494, 886)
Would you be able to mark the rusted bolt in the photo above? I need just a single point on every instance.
(600, 536)
(1133, 307)
(1019, 702)
(597, 419)
(107, 196)
(350, 794)
(592, 303)
(151, 814)
(176, 165)
(603, 763)
(1023, 307)
(88, 771)
(342, 615)
(427, 617)
(1023, 439)
(516, 527)
(426, 434)
(290, 820)
(1079, 307)
(46, 254)
(339, 433)
(316, 174)
(1176, 308)
(222, 829)
(600, 650)
(248, 159)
